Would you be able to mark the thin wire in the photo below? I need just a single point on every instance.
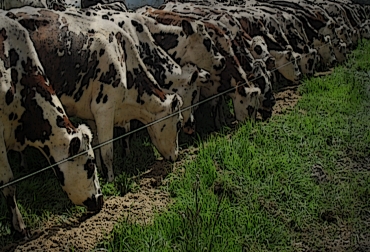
(15, 181)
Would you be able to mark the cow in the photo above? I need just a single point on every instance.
(325, 50)
(306, 61)
(365, 30)
(32, 115)
(253, 26)
(287, 65)
(228, 78)
(96, 71)
(259, 50)
(262, 78)
(340, 50)
(184, 80)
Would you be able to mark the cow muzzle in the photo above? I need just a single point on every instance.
(94, 204)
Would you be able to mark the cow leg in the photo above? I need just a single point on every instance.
(95, 142)
(23, 164)
(217, 112)
(9, 194)
(127, 139)
(104, 127)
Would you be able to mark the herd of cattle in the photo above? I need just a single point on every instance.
(109, 66)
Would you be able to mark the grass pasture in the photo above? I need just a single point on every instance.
(300, 182)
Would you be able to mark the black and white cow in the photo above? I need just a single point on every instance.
(96, 71)
(32, 115)
(184, 80)
(231, 76)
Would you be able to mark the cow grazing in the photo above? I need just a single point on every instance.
(262, 78)
(232, 75)
(287, 65)
(32, 115)
(97, 73)
(306, 61)
(172, 78)
(325, 50)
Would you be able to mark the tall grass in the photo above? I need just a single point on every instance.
(297, 183)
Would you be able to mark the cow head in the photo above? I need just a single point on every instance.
(342, 33)
(340, 50)
(201, 45)
(261, 78)
(258, 48)
(329, 29)
(188, 87)
(78, 177)
(307, 60)
(325, 49)
(164, 133)
(365, 30)
(186, 42)
(246, 102)
(287, 65)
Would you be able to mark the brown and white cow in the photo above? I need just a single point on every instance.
(96, 71)
(32, 115)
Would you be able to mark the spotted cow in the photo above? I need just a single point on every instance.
(227, 79)
(262, 78)
(306, 61)
(32, 115)
(259, 50)
(97, 73)
(325, 49)
(287, 64)
(184, 80)
(340, 50)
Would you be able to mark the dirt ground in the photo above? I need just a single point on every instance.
(82, 233)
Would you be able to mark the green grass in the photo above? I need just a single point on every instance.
(299, 182)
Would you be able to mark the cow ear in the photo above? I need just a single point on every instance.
(306, 49)
(187, 27)
(74, 146)
(194, 77)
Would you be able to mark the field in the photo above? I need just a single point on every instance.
(300, 182)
